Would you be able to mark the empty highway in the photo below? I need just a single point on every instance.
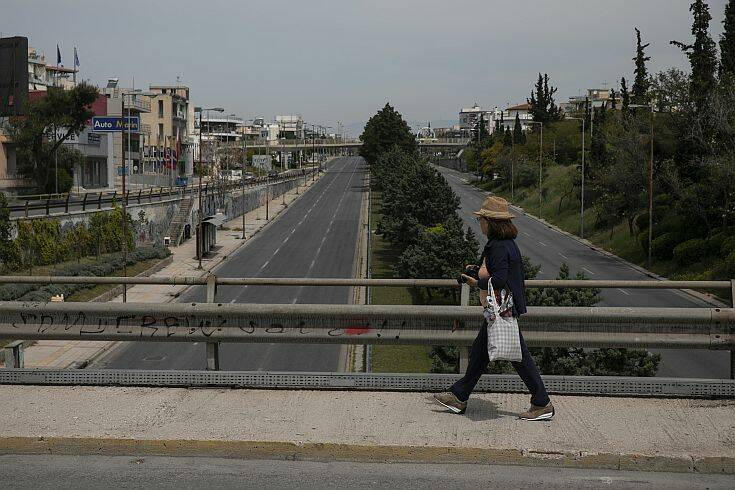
(314, 237)
(549, 248)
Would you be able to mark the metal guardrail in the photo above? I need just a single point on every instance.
(212, 323)
(63, 203)
(286, 281)
(679, 328)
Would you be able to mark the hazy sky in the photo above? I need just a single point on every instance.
(341, 60)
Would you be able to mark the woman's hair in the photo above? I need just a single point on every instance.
(501, 229)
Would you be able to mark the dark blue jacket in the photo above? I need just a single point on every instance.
(505, 265)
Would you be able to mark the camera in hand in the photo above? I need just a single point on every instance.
(472, 271)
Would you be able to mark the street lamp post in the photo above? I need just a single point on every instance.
(126, 132)
(540, 162)
(581, 213)
(199, 243)
(242, 178)
(650, 183)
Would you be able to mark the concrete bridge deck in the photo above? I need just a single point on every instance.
(650, 434)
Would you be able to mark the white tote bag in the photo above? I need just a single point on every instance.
(503, 337)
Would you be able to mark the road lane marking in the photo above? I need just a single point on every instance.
(527, 234)
(564, 256)
(587, 270)
(543, 244)
(294, 301)
(624, 292)
(264, 264)
(233, 300)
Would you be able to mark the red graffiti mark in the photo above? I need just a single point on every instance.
(357, 330)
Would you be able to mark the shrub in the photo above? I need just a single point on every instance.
(725, 268)
(717, 239)
(104, 267)
(662, 247)
(727, 246)
(690, 252)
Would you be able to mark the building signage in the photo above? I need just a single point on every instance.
(106, 124)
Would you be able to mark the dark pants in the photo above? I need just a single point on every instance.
(477, 365)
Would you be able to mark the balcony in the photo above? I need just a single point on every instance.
(137, 103)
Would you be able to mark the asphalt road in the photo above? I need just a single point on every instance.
(549, 249)
(315, 237)
(80, 472)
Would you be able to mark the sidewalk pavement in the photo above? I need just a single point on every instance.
(680, 435)
(62, 354)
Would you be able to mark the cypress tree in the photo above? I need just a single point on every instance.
(624, 95)
(641, 84)
(542, 105)
(701, 54)
(727, 42)
(518, 135)
(508, 138)
(613, 99)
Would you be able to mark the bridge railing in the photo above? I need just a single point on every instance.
(213, 323)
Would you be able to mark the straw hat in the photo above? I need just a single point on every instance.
(494, 208)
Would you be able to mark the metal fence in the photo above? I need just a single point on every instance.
(55, 204)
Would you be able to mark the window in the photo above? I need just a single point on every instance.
(160, 132)
(160, 108)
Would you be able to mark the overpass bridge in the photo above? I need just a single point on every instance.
(332, 145)
(357, 416)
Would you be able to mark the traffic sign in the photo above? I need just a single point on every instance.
(107, 124)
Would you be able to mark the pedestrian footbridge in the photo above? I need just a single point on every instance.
(643, 423)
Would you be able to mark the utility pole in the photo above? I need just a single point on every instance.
(581, 213)
(650, 184)
(540, 163)
(244, 166)
(199, 221)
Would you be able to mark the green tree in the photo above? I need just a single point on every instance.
(621, 182)
(508, 138)
(51, 120)
(641, 83)
(542, 105)
(702, 55)
(727, 43)
(518, 135)
(624, 95)
(480, 133)
(440, 252)
(6, 241)
(383, 131)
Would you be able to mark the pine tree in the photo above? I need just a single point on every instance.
(518, 136)
(641, 84)
(701, 54)
(727, 42)
(624, 95)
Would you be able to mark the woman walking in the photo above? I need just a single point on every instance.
(502, 267)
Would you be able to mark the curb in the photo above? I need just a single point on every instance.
(291, 451)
